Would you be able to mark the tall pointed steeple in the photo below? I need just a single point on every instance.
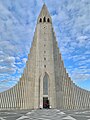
(44, 14)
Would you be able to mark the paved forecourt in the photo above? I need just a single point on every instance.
(45, 114)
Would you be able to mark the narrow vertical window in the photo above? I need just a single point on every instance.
(44, 19)
(45, 66)
(44, 58)
(45, 84)
(40, 20)
(48, 20)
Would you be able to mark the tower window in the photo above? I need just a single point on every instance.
(48, 20)
(44, 19)
(45, 84)
(40, 20)
(44, 58)
(45, 66)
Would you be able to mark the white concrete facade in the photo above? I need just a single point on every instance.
(45, 60)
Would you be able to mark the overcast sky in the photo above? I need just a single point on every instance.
(71, 22)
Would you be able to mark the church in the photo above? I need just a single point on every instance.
(45, 82)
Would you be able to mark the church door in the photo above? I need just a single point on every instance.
(45, 91)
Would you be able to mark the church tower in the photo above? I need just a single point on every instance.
(45, 82)
(47, 79)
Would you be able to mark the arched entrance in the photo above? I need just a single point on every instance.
(46, 91)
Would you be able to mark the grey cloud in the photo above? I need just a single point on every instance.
(7, 70)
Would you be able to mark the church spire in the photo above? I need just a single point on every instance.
(44, 15)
